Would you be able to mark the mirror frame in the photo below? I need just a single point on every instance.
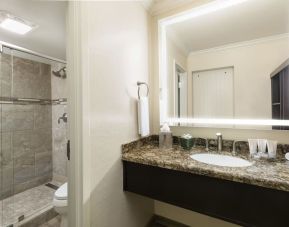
(163, 97)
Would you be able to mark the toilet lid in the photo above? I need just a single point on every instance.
(61, 193)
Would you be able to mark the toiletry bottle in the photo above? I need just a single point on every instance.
(165, 137)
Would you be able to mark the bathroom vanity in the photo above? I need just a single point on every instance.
(257, 195)
(227, 79)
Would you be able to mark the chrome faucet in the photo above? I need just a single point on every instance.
(207, 145)
(64, 118)
(234, 146)
(219, 141)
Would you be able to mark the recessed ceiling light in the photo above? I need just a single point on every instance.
(14, 24)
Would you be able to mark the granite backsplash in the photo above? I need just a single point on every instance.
(242, 147)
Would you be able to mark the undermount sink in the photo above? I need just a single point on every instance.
(221, 160)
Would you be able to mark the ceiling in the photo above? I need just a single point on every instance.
(246, 21)
(49, 37)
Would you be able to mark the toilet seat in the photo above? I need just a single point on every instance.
(59, 203)
(61, 192)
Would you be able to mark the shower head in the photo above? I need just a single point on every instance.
(60, 73)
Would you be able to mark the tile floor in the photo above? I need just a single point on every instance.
(55, 222)
(26, 203)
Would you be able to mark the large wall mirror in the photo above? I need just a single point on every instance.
(225, 64)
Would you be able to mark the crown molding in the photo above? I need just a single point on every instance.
(163, 6)
(241, 44)
(147, 4)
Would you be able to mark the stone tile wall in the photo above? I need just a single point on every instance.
(5, 75)
(26, 130)
(59, 130)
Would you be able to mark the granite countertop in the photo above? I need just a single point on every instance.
(265, 173)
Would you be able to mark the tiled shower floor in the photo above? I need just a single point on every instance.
(26, 203)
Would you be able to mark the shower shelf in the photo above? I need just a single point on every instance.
(26, 101)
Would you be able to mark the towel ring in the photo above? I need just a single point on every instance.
(139, 85)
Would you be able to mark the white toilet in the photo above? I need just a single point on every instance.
(60, 204)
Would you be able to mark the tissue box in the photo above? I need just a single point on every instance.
(186, 143)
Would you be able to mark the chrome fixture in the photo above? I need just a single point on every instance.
(139, 84)
(207, 145)
(26, 101)
(60, 73)
(219, 141)
(63, 118)
(234, 146)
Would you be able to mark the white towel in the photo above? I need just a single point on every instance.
(143, 116)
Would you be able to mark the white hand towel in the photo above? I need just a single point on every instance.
(143, 116)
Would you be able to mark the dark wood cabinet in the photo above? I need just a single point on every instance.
(240, 203)
(280, 94)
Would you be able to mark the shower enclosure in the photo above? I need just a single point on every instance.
(32, 140)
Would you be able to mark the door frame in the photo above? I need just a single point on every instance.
(175, 68)
(79, 125)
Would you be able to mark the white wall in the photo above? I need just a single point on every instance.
(118, 58)
(253, 63)
(113, 54)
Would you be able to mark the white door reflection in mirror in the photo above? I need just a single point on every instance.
(213, 93)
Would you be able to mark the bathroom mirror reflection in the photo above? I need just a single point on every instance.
(227, 63)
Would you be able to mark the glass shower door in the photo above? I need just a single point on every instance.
(32, 128)
(6, 153)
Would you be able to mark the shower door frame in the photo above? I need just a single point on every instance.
(15, 47)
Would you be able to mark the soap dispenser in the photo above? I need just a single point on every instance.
(165, 137)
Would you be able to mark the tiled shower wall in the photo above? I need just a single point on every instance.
(26, 130)
(59, 131)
